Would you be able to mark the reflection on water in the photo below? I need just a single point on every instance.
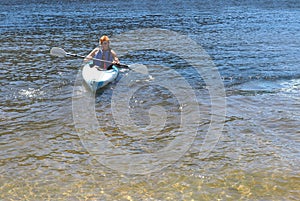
(255, 47)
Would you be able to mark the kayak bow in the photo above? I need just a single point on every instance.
(96, 79)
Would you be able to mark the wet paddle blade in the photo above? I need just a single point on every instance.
(59, 52)
(140, 68)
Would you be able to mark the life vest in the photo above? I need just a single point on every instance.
(103, 55)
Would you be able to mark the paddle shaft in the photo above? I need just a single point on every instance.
(76, 55)
(56, 51)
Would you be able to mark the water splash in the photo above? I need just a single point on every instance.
(31, 92)
(291, 86)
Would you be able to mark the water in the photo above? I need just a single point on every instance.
(255, 47)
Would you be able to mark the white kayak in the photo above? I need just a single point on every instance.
(96, 79)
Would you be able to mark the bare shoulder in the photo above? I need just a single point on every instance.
(113, 52)
(96, 49)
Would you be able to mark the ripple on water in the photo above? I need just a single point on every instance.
(255, 47)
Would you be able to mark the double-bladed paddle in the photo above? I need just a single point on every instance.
(59, 52)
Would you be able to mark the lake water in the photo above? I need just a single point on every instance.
(48, 119)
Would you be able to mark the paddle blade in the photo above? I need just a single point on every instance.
(140, 68)
(59, 52)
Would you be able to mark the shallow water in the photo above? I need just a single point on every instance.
(44, 153)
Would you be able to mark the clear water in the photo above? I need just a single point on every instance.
(255, 47)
